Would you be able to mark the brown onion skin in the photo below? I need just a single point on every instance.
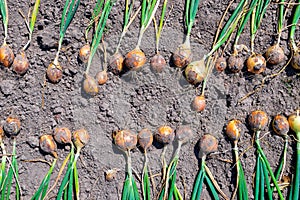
(48, 145)
(6, 55)
(294, 121)
(54, 72)
(12, 126)
(145, 138)
(235, 64)
(182, 56)
(220, 64)
(1, 134)
(125, 139)
(102, 77)
(80, 138)
(234, 129)
(20, 64)
(258, 120)
(195, 72)
(280, 125)
(184, 134)
(62, 135)
(116, 63)
(84, 53)
(274, 55)
(165, 135)
(135, 59)
(295, 62)
(90, 86)
(158, 63)
(208, 144)
(256, 64)
(198, 103)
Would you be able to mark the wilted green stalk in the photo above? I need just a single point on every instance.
(149, 8)
(69, 11)
(12, 172)
(130, 190)
(294, 121)
(145, 179)
(30, 26)
(280, 20)
(201, 177)
(170, 191)
(4, 13)
(263, 168)
(99, 31)
(70, 181)
(158, 29)
(191, 8)
(3, 164)
(42, 190)
(258, 13)
(295, 20)
(128, 19)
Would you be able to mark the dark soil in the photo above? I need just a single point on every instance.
(138, 100)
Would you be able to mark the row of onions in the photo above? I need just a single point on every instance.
(266, 184)
(196, 72)
(69, 186)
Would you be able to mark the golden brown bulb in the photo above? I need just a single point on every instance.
(90, 85)
(256, 64)
(135, 59)
(20, 64)
(80, 138)
(1, 134)
(220, 64)
(116, 63)
(158, 63)
(184, 134)
(165, 135)
(182, 56)
(145, 138)
(6, 55)
(198, 103)
(258, 120)
(54, 72)
(102, 77)
(235, 63)
(195, 72)
(207, 144)
(280, 125)
(125, 139)
(48, 145)
(12, 126)
(84, 53)
(62, 135)
(234, 129)
(275, 55)
(296, 61)
(294, 121)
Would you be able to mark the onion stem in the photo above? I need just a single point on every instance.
(149, 8)
(295, 20)
(158, 29)
(258, 12)
(42, 190)
(127, 20)
(66, 19)
(145, 179)
(262, 169)
(4, 13)
(294, 192)
(99, 32)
